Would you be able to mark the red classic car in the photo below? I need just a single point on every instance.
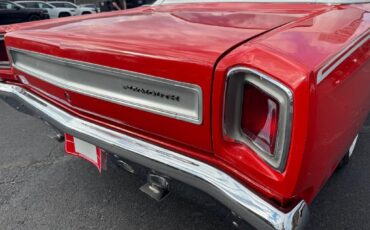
(253, 103)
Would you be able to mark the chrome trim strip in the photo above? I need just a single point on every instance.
(346, 52)
(179, 100)
(265, 1)
(234, 195)
(233, 100)
(353, 146)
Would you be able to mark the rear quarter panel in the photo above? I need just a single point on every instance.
(327, 115)
(340, 106)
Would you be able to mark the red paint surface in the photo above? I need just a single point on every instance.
(176, 42)
(189, 43)
(324, 123)
(6, 74)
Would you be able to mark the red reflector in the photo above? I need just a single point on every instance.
(3, 55)
(260, 118)
(84, 150)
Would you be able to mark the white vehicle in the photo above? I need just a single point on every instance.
(52, 10)
(78, 10)
(93, 7)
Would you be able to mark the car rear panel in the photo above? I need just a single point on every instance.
(176, 46)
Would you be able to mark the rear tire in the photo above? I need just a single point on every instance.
(34, 18)
(64, 14)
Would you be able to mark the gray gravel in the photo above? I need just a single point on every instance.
(43, 188)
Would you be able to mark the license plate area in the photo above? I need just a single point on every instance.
(84, 150)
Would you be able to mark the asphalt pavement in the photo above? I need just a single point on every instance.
(43, 188)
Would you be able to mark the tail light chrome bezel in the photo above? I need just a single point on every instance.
(233, 106)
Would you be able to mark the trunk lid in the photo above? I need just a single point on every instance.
(170, 50)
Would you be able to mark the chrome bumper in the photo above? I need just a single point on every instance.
(245, 203)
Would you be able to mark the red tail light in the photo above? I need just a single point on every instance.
(260, 116)
(4, 60)
(3, 55)
(258, 113)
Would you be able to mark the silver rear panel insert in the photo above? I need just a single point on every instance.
(170, 98)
